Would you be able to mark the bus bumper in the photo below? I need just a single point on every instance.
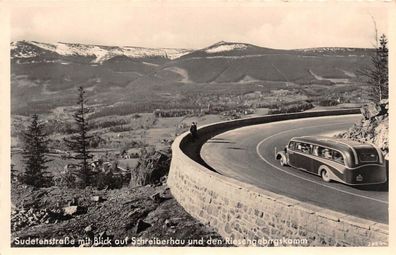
(373, 174)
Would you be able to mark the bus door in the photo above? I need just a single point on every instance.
(291, 153)
(302, 157)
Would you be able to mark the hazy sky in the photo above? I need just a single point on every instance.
(166, 24)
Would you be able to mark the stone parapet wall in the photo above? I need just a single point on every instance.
(249, 216)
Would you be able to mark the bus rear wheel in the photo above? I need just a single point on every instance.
(325, 175)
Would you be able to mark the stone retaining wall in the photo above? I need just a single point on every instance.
(249, 216)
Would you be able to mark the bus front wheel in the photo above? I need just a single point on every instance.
(282, 161)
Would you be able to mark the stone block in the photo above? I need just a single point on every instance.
(358, 222)
(228, 229)
(331, 215)
(275, 233)
(323, 229)
(378, 239)
(287, 201)
(379, 227)
(354, 240)
(265, 230)
(307, 208)
(261, 222)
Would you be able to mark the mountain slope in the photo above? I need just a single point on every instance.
(45, 75)
(231, 49)
(233, 62)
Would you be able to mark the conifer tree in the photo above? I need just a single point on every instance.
(35, 148)
(79, 143)
(377, 73)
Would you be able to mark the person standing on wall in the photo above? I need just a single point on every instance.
(194, 131)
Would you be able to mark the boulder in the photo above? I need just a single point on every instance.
(73, 201)
(370, 110)
(152, 166)
(381, 138)
(167, 223)
(88, 229)
(373, 128)
(156, 197)
(97, 198)
(384, 103)
(72, 210)
(141, 226)
(103, 234)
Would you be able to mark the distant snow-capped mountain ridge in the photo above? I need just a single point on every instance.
(31, 49)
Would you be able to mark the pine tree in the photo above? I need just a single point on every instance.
(35, 148)
(377, 73)
(79, 143)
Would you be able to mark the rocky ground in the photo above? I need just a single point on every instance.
(141, 216)
(373, 127)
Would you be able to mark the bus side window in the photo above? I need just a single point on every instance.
(298, 147)
(320, 152)
(337, 157)
(311, 147)
(328, 153)
(325, 153)
(305, 148)
(315, 150)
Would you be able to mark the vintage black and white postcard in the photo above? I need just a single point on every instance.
(163, 124)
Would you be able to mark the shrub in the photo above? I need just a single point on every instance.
(108, 180)
(172, 113)
(66, 179)
(118, 129)
(296, 107)
(101, 178)
(108, 123)
(328, 102)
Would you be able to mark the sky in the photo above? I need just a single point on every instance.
(198, 25)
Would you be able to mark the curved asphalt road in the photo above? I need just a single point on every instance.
(247, 154)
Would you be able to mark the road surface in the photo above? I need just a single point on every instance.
(247, 154)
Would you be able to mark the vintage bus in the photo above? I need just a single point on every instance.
(335, 159)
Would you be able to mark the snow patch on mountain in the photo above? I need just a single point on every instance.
(223, 46)
(138, 52)
(100, 53)
(327, 49)
(13, 45)
(22, 51)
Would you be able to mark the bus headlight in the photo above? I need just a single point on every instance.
(359, 178)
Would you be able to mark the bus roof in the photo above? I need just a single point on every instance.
(336, 143)
(340, 145)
